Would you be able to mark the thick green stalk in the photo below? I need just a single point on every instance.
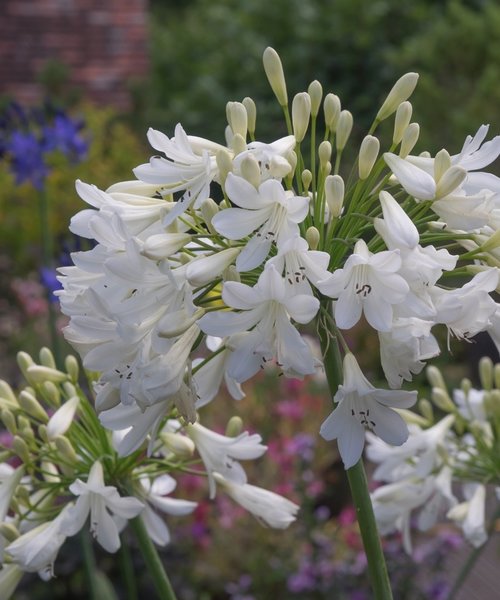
(153, 561)
(377, 568)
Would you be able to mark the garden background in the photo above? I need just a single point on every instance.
(114, 71)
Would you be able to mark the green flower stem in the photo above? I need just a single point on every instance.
(127, 572)
(152, 560)
(377, 568)
(89, 564)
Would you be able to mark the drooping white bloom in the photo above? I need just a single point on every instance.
(269, 508)
(155, 493)
(470, 514)
(271, 210)
(100, 501)
(369, 284)
(268, 307)
(221, 453)
(360, 406)
(36, 550)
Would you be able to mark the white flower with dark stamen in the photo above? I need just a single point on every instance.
(361, 407)
(369, 284)
(101, 502)
(270, 210)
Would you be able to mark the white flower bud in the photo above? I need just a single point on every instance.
(238, 144)
(9, 421)
(64, 446)
(205, 269)
(306, 179)
(72, 368)
(7, 396)
(24, 361)
(234, 426)
(331, 108)
(251, 109)
(442, 163)
(50, 472)
(442, 400)
(209, 208)
(250, 170)
(301, 113)
(334, 193)
(324, 153)
(10, 532)
(231, 274)
(425, 408)
(62, 419)
(450, 181)
(20, 447)
(178, 444)
(224, 164)
(435, 377)
(401, 91)
(47, 358)
(486, 372)
(275, 75)
(344, 129)
(313, 237)
(30, 404)
(315, 91)
(368, 154)
(10, 576)
(410, 138)
(402, 120)
(163, 245)
(179, 322)
(496, 373)
(237, 118)
(39, 374)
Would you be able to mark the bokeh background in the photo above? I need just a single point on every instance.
(80, 83)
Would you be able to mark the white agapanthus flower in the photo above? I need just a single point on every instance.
(101, 502)
(470, 514)
(361, 407)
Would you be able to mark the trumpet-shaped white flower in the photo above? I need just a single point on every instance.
(100, 501)
(268, 307)
(369, 284)
(470, 514)
(36, 550)
(269, 508)
(221, 453)
(271, 210)
(361, 407)
(155, 493)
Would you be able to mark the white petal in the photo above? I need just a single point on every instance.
(415, 181)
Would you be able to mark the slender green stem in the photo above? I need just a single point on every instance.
(127, 571)
(377, 568)
(89, 564)
(153, 561)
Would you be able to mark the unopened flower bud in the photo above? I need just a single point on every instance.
(315, 91)
(39, 374)
(27, 434)
(20, 447)
(306, 179)
(496, 374)
(180, 445)
(368, 154)
(238, 144)
(30, 404)
(250, 170)
(401, 121)
(425, 408)
(72, 368)
(442, 400)
(344, 129)
(9, 421)
(251, 109)
(490, 243)
(64, 446)
(42, 432)
(237, 118)
(301, 113)
(442, 163)
(466, 386)
(7, 396)
(203, 270)
(410, 138)
(9, 531)
(493, 404)
(401, 91)
(24, 361)
(209, 208)
(22, 422)
(292, 159)
(413, 418)
(313, 237)
(450, 181)
(47, 358)
(234, 426)
(331, 108)
(162, 245)
(486, 372)
(224, 164)
(62, 419)
(50, 472)
(334, 193)
(275, 75)
(324, 153)
(69, 389)
(435, 377)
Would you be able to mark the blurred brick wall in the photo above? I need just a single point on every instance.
(103, 42)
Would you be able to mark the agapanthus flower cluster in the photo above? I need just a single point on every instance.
(449, 466)
(61, 472)
(208, 265)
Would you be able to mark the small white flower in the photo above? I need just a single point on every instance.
(101, 502)
(269, 508)
(470, 514)
(360, 406)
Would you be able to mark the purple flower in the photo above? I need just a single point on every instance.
(27, 159)
(63, 135)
